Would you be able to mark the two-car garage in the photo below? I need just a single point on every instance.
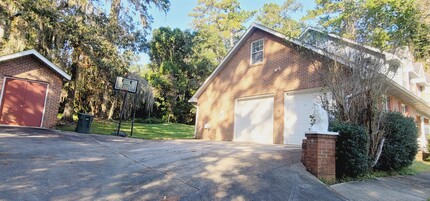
(254, 117)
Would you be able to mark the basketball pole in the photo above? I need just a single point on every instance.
(134, 112)
(121, 113)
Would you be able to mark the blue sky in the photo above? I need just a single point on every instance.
(177, 17)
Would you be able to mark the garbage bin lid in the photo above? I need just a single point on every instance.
(85, 114)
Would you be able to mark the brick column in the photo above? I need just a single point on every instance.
(320, 159)
(304, 146)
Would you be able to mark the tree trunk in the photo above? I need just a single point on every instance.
(69, 108)
(106, 99)
(112, 109)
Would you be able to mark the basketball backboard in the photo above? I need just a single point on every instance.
(126, 84)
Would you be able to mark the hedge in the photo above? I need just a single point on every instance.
(401, 145)
(351, 150)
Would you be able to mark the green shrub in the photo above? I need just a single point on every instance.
(400, 146)
(151, 120)
(351, 150)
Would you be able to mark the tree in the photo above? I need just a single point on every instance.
(78, 35)
(357, 81)
(178, 67)
(385, 24)
(340, 17)
(171, 72)
(278, 17)
(221, 22)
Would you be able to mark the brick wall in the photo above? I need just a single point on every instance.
(29, 67)
(319, 155)
(239, 79)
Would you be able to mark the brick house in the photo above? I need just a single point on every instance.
(30, 90)
(263, 90)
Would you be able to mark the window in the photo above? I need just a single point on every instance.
(404, 109)
(420, 91)
(387, 104)
(257, 53)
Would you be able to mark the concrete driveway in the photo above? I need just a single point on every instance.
(41, 164)
(411, 188)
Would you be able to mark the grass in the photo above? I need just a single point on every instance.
(162, 131)
(418, 166)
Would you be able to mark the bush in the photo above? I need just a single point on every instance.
(151, 120)
(352, 144)
(401, 145)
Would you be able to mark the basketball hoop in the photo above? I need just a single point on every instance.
(126, 84)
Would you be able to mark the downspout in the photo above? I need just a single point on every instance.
(197, 118)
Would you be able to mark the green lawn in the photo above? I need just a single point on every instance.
(146, 131)
(420, 166)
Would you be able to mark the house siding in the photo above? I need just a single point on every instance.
(395, 106)
(284, 69)
(30, 68)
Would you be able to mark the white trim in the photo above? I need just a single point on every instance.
(1, 96)
(253, 97)
(304, 91)
(197, 118)
(39, 56)
(256, 96)
(251, 53)
(27, 80)
(44, 105)
(422, 138)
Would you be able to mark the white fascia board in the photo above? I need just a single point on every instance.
(39, 56)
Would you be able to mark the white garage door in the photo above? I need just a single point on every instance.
(254, 120)
(298, 108)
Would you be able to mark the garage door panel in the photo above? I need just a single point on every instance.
(13, 96)
(34, 103)
(254, 120)
(298, 108)
(23, 102)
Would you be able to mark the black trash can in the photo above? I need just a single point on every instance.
(84, 122)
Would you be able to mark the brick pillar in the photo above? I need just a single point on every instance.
(320, 159)
(304, 146)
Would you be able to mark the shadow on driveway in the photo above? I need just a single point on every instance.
(40, 164)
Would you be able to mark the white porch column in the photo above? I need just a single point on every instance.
(422, 136)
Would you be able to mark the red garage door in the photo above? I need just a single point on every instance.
(23, 102)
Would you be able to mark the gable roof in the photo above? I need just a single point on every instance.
(40, 57)
(236, 48)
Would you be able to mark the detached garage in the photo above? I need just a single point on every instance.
(30, 90)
